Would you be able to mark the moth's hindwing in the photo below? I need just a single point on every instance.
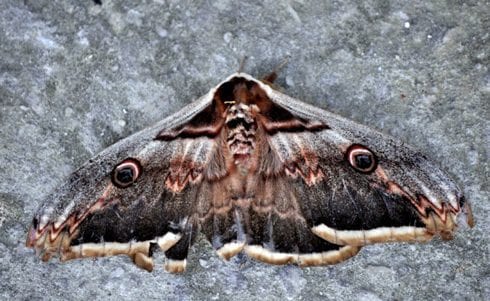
(255, 171)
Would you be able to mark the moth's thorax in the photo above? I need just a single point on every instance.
(241, 129)
(242, 100)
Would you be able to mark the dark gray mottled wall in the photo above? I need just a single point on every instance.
(76, 77)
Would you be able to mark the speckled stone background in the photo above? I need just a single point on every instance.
(75, 77)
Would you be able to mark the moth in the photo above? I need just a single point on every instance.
(255, 171)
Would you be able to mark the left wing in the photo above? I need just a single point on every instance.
(133, 197)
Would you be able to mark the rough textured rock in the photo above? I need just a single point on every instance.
(76, 77)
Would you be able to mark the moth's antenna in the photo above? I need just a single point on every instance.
(271, 77)
(242, 64)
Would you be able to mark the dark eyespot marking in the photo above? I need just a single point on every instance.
(126, 173)
(361, 158)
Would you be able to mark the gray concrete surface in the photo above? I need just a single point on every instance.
(75, 77)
